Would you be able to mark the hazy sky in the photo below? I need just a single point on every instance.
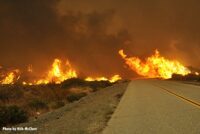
(89, 33)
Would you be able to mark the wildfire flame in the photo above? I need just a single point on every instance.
(11, 77)
(58, 74)
(112, 79)
(155, 66)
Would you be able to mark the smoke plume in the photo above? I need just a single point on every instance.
(90, 33)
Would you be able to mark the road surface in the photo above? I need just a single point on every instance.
(157, 107)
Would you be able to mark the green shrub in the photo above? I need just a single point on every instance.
(37, 104)
(10, 92)
(12, 115)
(189, 77)
(57, 104)
(4, 95)
(52, 85)
(75, 96)
(99, 84)
(74, 82)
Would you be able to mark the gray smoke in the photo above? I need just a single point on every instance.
(90, 33)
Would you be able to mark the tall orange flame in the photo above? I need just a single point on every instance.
(155, 66)
(58, 74)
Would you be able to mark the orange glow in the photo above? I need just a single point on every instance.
(57, 74)
(112, 79)
(11, 77)
(25, 83)
(115, 78)
(196, 73)
(155, 66)
(30, 69)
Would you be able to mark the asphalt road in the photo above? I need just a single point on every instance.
(157, 107)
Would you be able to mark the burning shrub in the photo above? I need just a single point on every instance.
(75, 96)
(37, 104)
(12, 115)
(155, 66)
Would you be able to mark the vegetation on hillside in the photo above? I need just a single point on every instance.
(19, 102)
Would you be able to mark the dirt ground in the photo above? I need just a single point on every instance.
(89, 115)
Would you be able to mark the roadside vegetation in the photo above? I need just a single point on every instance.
(11, 115)
(189, 77)
(19, 102)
